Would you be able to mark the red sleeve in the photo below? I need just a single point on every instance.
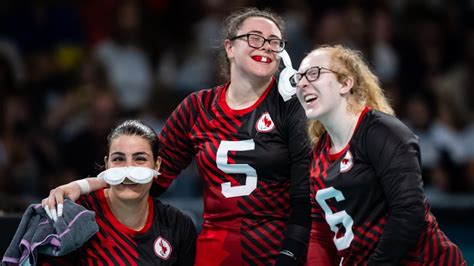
(177, 148)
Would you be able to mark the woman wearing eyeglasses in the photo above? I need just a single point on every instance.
(366, 186)
(134, 228)
(250, 142)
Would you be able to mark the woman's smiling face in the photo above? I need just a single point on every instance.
(320, 96)
(260, 62)
(130, 150)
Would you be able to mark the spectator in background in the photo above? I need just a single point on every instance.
(455, 86)
(83, 150)
(12, 69)
(298, 19)
(454, 128)
(190, 66)
(419, 115)
(125, 59)
(20, 170)
(382, 51)
(451, 134)
(70, 111)
(330, 29)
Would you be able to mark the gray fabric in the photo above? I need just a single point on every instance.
(39, 234)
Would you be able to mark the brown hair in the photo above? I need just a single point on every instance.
(366, 90)
(233, 23)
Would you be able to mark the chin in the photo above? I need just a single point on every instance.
(129, 195)
(264, 74)
(311, 114)
(264, 71)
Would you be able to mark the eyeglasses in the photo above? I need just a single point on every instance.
(140, 175)
(311, 74)
(257, 41)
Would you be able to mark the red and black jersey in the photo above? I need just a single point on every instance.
(168, 238)
(368, 201)
(252, 161)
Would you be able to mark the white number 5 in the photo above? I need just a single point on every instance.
(221, 161)
(335, 218)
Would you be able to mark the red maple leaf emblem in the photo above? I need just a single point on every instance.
(267, 121)
(164, 249)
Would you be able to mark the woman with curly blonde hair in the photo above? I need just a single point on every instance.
(368, 204)
(365, 92)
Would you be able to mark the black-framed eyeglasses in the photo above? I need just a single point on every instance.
(311, 74)
(257, 41)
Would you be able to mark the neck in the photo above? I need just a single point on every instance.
(243, 93)
(340, 128)
(131, 213)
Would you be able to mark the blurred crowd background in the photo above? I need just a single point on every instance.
(71, 69)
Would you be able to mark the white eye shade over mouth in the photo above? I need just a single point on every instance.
(140, 175)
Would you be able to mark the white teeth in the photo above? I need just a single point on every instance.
(310, 97)
(265, 59)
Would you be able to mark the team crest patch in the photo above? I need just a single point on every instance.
(162, 248)
(347, 162)
(264, 123)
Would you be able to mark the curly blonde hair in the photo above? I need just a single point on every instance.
(366, 90)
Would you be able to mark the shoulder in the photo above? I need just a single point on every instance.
(202, 98)
(294, 102)
(382, 134)
(170, 215)
(90, 200)
(378, 124)
(208, 92)
(276, 95)
(287, 108)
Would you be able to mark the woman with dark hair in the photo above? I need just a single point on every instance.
(134, 228)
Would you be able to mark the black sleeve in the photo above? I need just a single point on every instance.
(188, 236)
(296, 240)
(394, 152)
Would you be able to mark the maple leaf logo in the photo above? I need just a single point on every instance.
(162, 248)
(265, 123)
(347, 162)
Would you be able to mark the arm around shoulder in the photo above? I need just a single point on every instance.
(53, 204)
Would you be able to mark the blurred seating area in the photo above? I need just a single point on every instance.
(71, 69)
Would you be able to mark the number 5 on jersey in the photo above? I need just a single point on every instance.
(221, 161)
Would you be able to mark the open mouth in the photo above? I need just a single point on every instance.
(310, 98)
(262, 59)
